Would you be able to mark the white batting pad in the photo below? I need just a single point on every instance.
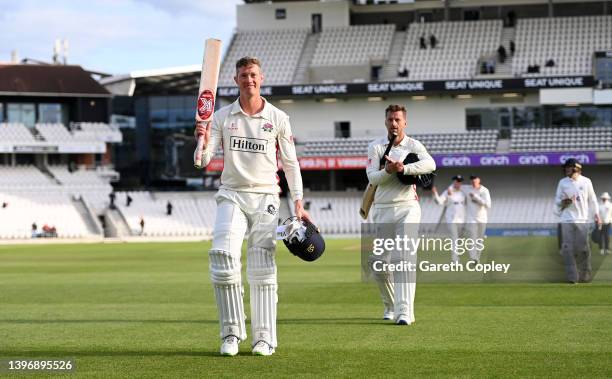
(261, 270)
(225, 276)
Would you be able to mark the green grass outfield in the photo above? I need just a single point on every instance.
(146, 310)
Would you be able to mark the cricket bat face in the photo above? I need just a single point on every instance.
(209, 78)
(205, 106)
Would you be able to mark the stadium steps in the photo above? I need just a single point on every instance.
(505, 69)
(116, 225)
(391, 68)
(503, 146)
(49, 174)
(301, 72)
(36, 134)
(91, 221)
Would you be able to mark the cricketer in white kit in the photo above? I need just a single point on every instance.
(576, 202)
(397, 203)
(477, 213)
(250, 131)
(453, 199)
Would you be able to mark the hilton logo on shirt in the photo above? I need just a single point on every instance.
(248, 145)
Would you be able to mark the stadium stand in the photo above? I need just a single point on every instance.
(102, 132)
(569, 41)
(43, 208)
(190, 217)
(483, 141)
(460, 46)
(54, 133)
(278, 50)
(15, 132)
(562, 139)
(353, 45)
(58, 133)
(24, 178)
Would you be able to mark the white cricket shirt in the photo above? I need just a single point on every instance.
(250, 145)
(478, 204)
(583, 195)
(390, 190)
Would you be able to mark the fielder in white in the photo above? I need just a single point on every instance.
(605, 214)
(576, 202)
(453, 199)
(398, 204)
(250, 129)
(477, 213)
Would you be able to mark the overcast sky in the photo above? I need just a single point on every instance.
(116, 36)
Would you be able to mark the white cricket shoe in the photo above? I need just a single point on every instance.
(602, 252)
(230, 346)
(403, 320)
(388, 314)
(263, 348)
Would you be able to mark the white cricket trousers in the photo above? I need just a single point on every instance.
(476, 230)
(397, 289)
(256, 216)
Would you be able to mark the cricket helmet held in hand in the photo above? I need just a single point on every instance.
(304, 239)
(425, 181)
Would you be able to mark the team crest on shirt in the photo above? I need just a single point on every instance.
(267, 127)
(271, 209)
(233, 127)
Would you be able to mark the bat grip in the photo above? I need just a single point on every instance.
(197, 155)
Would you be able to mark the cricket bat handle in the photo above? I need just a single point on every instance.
(197, 155)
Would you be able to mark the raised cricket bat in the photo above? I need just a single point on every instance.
(207, 93)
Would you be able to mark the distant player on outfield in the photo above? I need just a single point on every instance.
(576, 201)
(605, 214)
(477, 212)
(397, 204)
(249, 129)
(453, 199)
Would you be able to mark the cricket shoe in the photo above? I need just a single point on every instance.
(388, 314)
(403, 320)
(229, 347)
(263, 348)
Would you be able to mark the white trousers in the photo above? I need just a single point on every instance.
(397, 289)
(475, 230)
(256, 216)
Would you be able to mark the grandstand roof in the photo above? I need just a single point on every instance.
(48, 80)
(183, 79)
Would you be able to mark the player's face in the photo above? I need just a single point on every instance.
(569, 171)
(249, 79)
(395, 123)
(457, 185)
(475, 182)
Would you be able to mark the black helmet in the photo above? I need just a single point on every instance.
(572, 162)
(304, 239)
(424, 180)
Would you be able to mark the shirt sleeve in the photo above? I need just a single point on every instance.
(441, 200)
(216, 136)
(593, 204)
(288, 156)
(484, 199)
(376, 175)
(425, 165)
